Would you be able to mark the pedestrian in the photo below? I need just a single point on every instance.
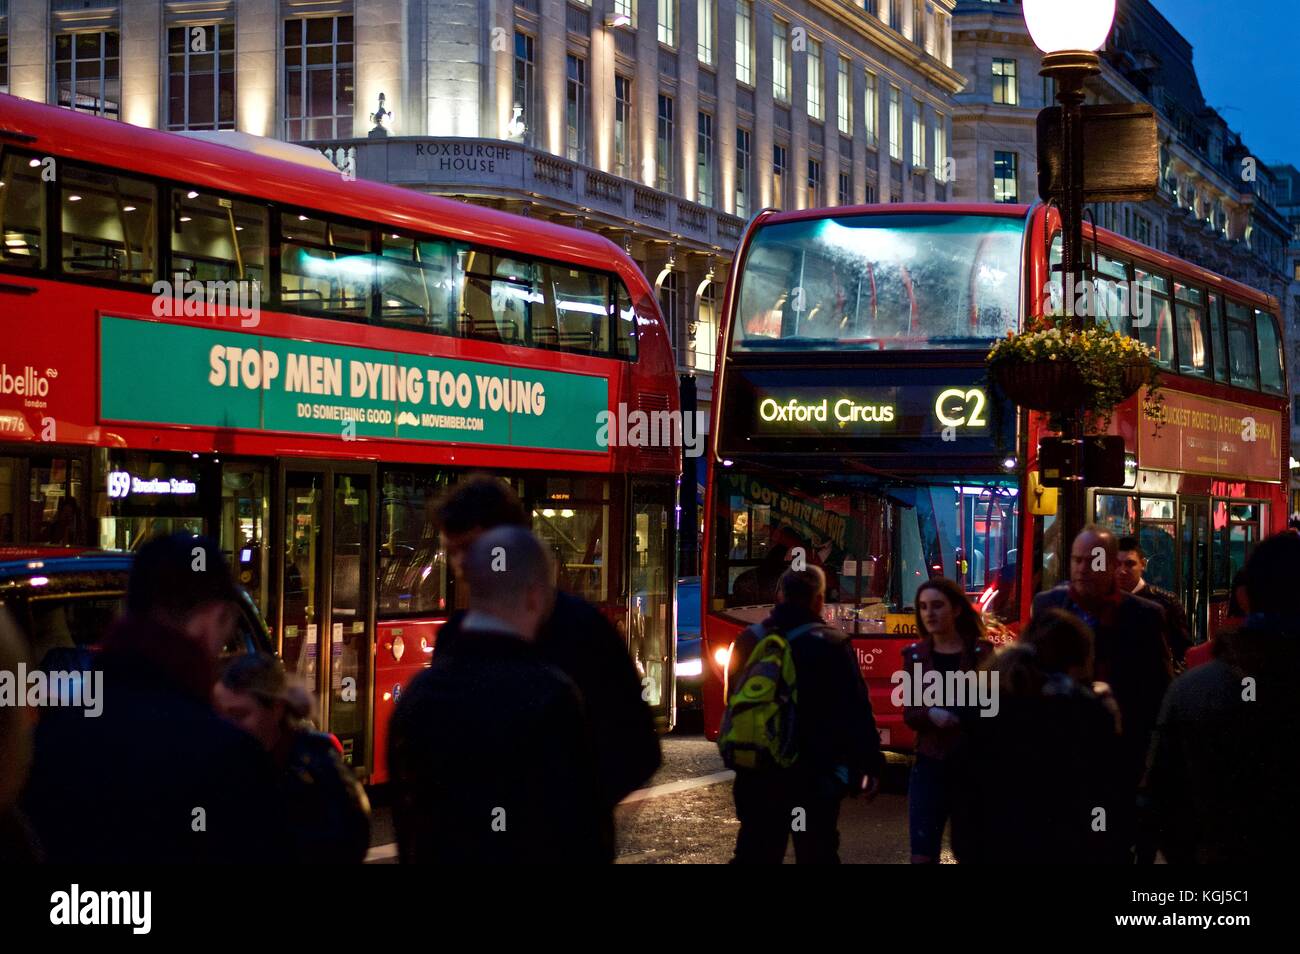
(1131, 577)
(1039, 781)
(327, 810)
(17, 840)
(576, 638)
(1130, 652)
(158, 776)
(1235, 616)
(1222, 785)
(832, 749)
(952, 641)
(490, 750)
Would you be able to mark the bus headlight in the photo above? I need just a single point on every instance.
(690, 667)
(722, 656)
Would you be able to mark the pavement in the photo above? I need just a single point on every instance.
(685, 815)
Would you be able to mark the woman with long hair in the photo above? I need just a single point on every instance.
(952, 641)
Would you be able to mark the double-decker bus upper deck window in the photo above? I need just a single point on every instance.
(1271, 378)
(880, 281)
(1152, 316)
(625, 322)
(579, 302)
(108, 225)
(1218, 344)
(325, 266)
(420, 282)
(1243, 363)
(1194, 340)
(217, 239)
(500, 295)
(22, 212)
(1110, 282)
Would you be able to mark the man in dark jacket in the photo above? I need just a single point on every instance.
(575, 637)
(1131, 655)
(1131, 579)
(489, 749)
(1223, 784)
(835, 731)
(158, 777)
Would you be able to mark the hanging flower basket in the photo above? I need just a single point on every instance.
(1060, 371)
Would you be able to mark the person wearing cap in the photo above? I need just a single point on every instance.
(158, 777)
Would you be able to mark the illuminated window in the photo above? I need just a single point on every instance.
(575, 108)
(872, 109)
(704, 160)
(816, 81)
(781, 61)
(940, 149)
(895, 123)
(706, 330)
(664, 136)
(1005, 188)
(742, 172)
(779, 168)
(87, 72)
(745, 42)
(525, 85)
(319, 80)
(1004, 82)
(918, 134)
(201, 77)
(844, 97)
(623, 113)
(668, 22)
(707, 30)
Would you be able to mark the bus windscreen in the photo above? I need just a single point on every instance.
(880, 281)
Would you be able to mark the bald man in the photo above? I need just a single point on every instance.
(1131, 653)
(490, 747)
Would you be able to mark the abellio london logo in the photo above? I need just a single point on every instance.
(27, 382)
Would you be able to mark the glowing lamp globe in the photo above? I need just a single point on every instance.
(1060, 25)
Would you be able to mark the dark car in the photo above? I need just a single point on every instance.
(690, 669)
(63, 600)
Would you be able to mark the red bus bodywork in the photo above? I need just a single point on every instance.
(51, 326)
(879, 656)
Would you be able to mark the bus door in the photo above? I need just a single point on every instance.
(326, 608)
(1194, 563)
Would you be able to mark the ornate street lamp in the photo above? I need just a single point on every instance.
(1069, 33)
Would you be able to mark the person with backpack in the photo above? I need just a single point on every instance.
(952, 640)
(798, 729)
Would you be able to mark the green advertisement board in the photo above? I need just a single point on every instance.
(157, 373)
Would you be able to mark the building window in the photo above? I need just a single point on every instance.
(1004, 82)
(318, 78)
(627, 8)
(844, 97)
(668, 307)
(201, 77)
(816, 81)
(707, 29)
(664, 145)
(813, 197)
(575, 109)
(4, 62)
(1004, 177)
(704, 160)
(745, 42)
(781, 61)
(1049, 90)
(918, 134)
(668, 22)
(623, 113)
(870, 194)
(525, 85)
(895, 14)
(871, 110)
(918, 23)
(87, 76)
(940, 149)
(845, 195)
(706, 330)
(895, 123)
(742, 173)
(778, 176)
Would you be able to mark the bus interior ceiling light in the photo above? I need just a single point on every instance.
(885, 246)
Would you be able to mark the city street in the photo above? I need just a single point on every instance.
(685, 815)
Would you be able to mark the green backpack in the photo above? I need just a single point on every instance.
(758, 726)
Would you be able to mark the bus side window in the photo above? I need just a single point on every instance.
(419, 283)
(1218, 343)
(1157, 326)
(1270, 354)
(325, 266)
(22, 213)
(108, 226)
(581, 301)
(624, 322)
(1242, 359)
(1193, 335)
(217, 239)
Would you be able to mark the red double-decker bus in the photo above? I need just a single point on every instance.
(854, 426)
(202, 338)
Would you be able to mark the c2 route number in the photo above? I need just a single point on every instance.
(969, 412)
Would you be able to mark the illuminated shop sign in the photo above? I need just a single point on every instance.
(122, 484)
